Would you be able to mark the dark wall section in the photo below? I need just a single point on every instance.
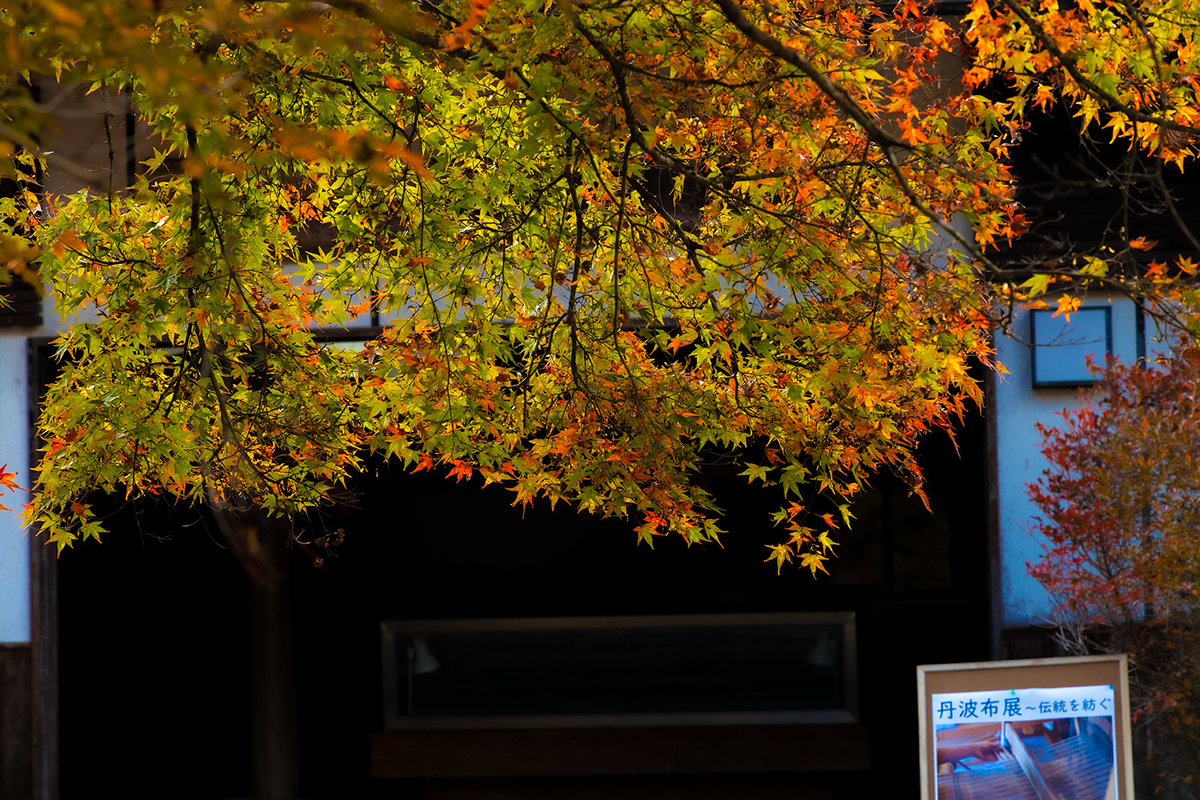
(155, 641)
(155, 666)
(16, 713)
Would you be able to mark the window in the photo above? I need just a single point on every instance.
(701, 669)
(1061, 345)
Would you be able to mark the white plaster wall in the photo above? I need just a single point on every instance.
(14, 451)
(1018, 407)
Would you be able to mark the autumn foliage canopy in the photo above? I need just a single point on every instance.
(607, 241)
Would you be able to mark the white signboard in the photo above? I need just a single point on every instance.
(1035, 730)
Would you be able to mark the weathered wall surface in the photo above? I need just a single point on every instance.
(1018, 408)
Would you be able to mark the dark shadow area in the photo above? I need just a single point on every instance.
(156, 651)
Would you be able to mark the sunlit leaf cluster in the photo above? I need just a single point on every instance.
(607, 242)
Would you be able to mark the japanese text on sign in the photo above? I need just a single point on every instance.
(1033, 703)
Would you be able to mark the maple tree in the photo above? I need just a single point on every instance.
(1120, 505)
(610, 240)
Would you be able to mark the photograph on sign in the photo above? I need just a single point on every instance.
(1021, 742)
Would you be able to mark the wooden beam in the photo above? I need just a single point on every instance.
(43, 604)
(619, 751)
(16, 709)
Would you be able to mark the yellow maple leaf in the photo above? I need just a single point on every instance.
(814, 561)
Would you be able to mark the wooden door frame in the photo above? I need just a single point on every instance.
(43, 610)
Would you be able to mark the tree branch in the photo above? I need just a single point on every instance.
(1068, 63)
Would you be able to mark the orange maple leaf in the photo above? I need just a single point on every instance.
(8, 481)
(460, 470)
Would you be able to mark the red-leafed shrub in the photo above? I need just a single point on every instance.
(1119, 509)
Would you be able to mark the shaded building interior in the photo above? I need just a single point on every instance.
(667, 672)
(1083, 194)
